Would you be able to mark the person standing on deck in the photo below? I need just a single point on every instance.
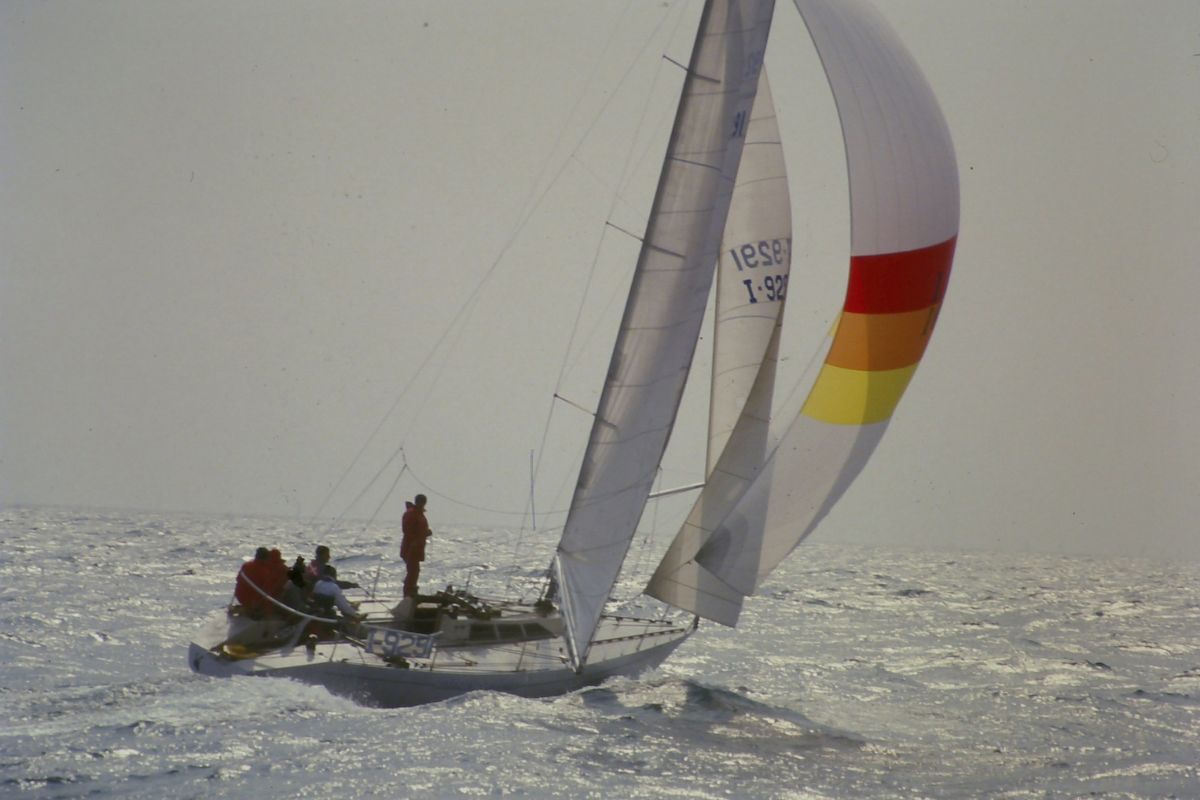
(412, 545)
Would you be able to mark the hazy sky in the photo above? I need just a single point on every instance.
(233, 232)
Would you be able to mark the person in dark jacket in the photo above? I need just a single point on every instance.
(412, 546)
(316, 567)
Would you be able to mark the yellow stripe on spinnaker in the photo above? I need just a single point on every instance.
(856, 397)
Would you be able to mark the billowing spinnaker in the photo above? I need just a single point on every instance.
(663, 314)
(752, 277)
(904, 223)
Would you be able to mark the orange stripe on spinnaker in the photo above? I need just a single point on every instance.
(881, 341)
(892, 303)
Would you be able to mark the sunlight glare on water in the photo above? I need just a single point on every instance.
(856, 672)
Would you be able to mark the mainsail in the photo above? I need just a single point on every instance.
(904, 224)
(663, 314)
(751, 286)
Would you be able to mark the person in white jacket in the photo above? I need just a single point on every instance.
(327, 595)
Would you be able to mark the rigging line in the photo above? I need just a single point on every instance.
(607, 185)
(387, 415)
(562, 129)
(648, 148)
(625, 172)
(399, 451)
(617, 192)
(644, 549)
(631, 164)
(533, 204)
(386, 496)
(650, 37)
(449, 498)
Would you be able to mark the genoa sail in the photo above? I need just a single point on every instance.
(904, 225)
(751, 283)
(751, 287)
(664, 311)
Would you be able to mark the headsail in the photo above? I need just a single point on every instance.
(752, 280)
(752, 276)
(904, 224)
(663, 314)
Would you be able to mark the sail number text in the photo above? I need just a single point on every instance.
(392, 643)
(760, 255)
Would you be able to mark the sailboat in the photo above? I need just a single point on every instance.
(720, 223)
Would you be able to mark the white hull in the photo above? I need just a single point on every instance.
(532, 668)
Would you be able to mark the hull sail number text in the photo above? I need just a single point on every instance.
(760, 255)
(391, 643)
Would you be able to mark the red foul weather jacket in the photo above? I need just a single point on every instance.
(416, 531)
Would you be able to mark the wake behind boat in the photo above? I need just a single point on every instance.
(772, 474)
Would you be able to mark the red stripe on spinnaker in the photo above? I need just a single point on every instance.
(889, 283)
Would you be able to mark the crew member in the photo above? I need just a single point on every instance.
(279, 584)
(412, 545)
(327, 595)
(253, 581)
(317, 566)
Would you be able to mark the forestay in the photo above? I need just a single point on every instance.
(663, 314)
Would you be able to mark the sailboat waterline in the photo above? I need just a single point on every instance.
(720, 222)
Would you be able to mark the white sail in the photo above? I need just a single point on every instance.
(663, 314)
(904, 224)
(751, 286)
(752, 276)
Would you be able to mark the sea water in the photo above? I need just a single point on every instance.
(857, 672)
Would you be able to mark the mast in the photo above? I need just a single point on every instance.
(664, 311)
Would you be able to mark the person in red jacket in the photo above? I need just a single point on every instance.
(252, 577)
(280, 586)
(412, 545)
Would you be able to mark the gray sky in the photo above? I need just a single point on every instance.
(233, 232)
